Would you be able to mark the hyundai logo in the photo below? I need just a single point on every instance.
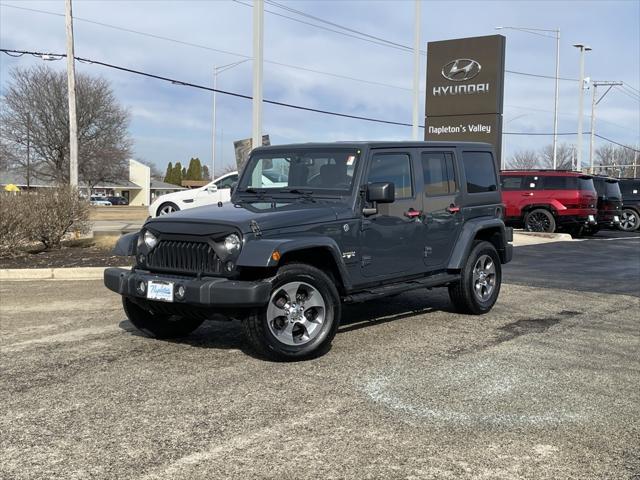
(461, 70)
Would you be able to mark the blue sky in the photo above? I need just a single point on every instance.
(173, 123)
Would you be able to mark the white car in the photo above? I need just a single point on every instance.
(99, 201)
(217, 191)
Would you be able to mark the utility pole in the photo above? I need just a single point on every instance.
(71, 86)
(583, 48)
(595, 102)
(258, 37)
(213, 137)
(555, 105)
(416, 72)
(28, 150)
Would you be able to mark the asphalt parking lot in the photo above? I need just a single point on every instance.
(545, 386)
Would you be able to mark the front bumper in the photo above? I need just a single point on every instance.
(205, 292)
(575, 220)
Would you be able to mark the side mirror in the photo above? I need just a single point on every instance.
(232, 188)
(213, 188)
(381, 192)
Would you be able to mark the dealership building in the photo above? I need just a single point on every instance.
(140, 189)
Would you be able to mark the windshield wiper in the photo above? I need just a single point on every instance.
(306, 194)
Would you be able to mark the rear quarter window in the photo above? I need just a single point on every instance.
(511, 182)
(480, 172)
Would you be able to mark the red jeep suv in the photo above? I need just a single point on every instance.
(549, 200)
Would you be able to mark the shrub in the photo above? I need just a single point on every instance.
(13, 223)
(53, 213)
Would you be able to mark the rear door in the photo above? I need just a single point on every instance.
(440, 206)
(393, 239)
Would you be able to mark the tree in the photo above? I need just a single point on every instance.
(615, 161)
(176, 174)
(168, 173)
(156, 174)
(35, 106)
(183, 174)
(205, 173)
(564, 156)
(194, 172)
(524, 160)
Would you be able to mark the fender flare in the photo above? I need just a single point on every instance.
(469, 231)
(257, 252)
(126, 245)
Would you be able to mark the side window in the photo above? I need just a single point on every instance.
(511, 182)
(556, 182)
(392, 167)
(227, 182)
(480, 172)
(438, 173)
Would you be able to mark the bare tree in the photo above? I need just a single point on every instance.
(615, 161)
(35, 107)
(524, 160)
(564, 156)
(156, 174)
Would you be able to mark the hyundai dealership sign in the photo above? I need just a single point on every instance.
(465, 89)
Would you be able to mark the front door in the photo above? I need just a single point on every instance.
(441, 206)
(392, 239)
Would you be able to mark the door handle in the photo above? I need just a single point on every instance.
(528, 194)
(411, 213)
(453, 209)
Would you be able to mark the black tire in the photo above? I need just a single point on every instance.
(590, 231)
(577, 232)
(463, 294)
(158, 325)
(260, 335)
(165, 206)
(629, 220)
(540, 220)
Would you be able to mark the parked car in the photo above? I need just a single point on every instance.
(630, 216)
(217, 191)
(99, 201)
(609, 204)
(118, 200)
(549, 200)
(353, 222)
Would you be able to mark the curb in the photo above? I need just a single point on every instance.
(550, 236)
(78, 273)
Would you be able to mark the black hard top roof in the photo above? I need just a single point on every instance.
(379, 144)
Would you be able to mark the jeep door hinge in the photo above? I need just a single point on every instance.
(427, 251)
(255, 228)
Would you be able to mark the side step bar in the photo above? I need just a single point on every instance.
(438, 280)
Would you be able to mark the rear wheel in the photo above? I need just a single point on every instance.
(159, 325)
(301, 318)
(477, 290)
(167, 208)
(540, 220)
(629, 220)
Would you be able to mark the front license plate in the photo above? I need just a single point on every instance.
(592, 219)
(162, 291)
(616, 219)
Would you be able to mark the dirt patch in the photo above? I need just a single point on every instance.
(72, 254)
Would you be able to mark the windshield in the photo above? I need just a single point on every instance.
(301, 171)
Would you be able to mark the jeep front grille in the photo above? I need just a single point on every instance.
(184, 257)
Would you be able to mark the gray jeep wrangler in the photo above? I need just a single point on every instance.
(310, 227)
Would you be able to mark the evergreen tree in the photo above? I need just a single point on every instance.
(183, 174)
(194, 172)
(168, 173)
(176, 176)
(205, 173)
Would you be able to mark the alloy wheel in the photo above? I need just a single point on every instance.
(296, 313)
(167, 209)
(628, 220)
(484, 278)
(538, 222)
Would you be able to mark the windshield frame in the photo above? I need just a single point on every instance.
(310, 190)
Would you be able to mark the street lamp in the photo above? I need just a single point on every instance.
(583, 48)
(216, 72)
(535, 31)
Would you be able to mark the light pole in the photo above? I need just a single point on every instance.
(258, 37)
(216, 72)
(583, 48)
(595, 102)
(535, 31)
(416, 71)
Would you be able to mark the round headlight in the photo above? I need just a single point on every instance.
(232, 243)
(150, 240)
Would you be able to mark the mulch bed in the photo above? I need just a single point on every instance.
(75, 256)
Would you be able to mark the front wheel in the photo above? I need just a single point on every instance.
(629, 220)
(167, 208)
(301, 318)
(477, 290)
(158, 325)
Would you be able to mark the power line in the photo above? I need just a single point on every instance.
(228, 52)
(630, 95)
(206, 47)
(57, 56)
(632, 88)
(616, 143)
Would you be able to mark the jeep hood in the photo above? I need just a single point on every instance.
(241, 215)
